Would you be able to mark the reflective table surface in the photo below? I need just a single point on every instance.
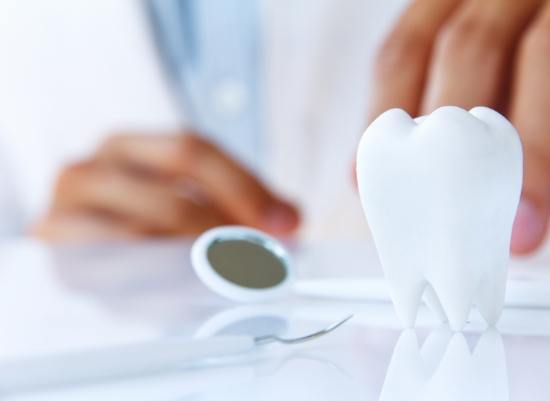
(72, 298)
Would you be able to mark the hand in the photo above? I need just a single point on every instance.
(159, 185)
(470, 53)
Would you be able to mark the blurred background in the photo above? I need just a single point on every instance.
(281, 86)
(163, 118)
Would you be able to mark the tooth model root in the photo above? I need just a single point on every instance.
(456, 297)
(406, 299)
(432, 302)
(490, 297)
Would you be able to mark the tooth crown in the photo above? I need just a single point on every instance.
(440, 194)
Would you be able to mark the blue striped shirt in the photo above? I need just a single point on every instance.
(211, 51)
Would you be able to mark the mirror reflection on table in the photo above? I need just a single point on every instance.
(74, 297)
(447, 367)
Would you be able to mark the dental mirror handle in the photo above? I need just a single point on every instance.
(115, 361)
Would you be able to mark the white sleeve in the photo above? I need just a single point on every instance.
(11, 213)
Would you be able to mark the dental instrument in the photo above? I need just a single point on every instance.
(246, 265)
(131, 360)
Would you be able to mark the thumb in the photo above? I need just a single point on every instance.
(529, 107)
(533, 212)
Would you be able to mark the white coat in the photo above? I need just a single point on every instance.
(74, 71)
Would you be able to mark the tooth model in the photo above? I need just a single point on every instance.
(445, 369)
(440, 193)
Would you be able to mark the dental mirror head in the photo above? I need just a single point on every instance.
(242, 264)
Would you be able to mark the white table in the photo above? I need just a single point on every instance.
(71, 298)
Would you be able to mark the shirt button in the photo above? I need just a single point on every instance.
(230, 98)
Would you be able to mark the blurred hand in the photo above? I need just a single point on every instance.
(159, 185)
(470, 53)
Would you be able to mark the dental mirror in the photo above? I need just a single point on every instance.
(242, 264)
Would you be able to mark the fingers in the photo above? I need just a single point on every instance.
(449, 52)
(464, 54)
(151, 206)
(230, 188)
(84, 227)
(473, 51)
(150, 185)
(402, 61)
(529, 112)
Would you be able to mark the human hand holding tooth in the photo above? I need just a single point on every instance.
(440, 194)
(468, 53)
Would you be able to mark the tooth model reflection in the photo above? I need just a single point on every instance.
(446, 370)
(440, 194)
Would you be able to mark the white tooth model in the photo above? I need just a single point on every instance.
(440, 193)
(445, 369)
